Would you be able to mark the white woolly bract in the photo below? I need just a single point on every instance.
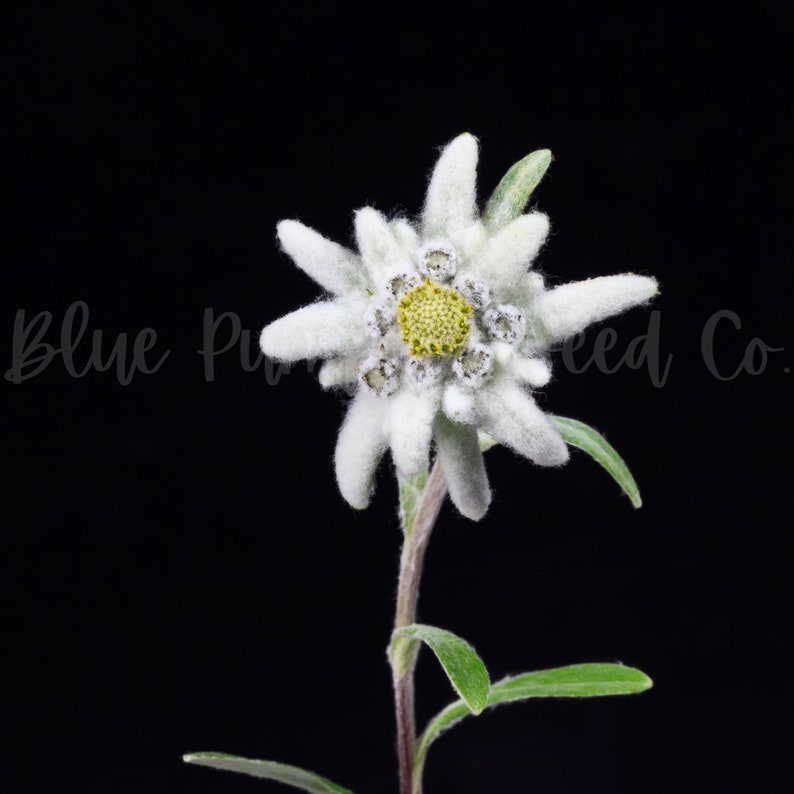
(472, 239)
(337, 372)
(321, 330)
(570, 308)
(534, 372)
(379, 248)
(331, 265)
(512, 418)
(405, 234)
(450, 205)
(506, 257)
(459, 404)
(464, 467)
(410, 430)
(359, 448)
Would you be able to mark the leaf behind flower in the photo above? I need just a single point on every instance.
(580, 435)
(511, 195)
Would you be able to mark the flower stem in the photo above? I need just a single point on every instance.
(417, 535)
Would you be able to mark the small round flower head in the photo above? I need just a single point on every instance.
(399, 285)
(473, 365)
(438, 261)
(434, 320)
(379, 376)
(424, 372)
(475, 290)
(379, 319)
(448, 328)
(505, 323)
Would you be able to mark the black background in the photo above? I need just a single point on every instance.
(179, 571)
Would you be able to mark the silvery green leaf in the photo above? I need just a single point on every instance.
(594, 444)
(282, 773)
(512, 193)
(464, 668)
(578, 680)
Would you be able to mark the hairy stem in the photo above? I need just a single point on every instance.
(411, 560)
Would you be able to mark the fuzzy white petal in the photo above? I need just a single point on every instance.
(525, 292)
(570, 308)
(459, 404)
(406, 235)
(450, 205)
(359, 448)
(535, 372)
(464, 468)
(472, 239)
(533, 283)
(317, 331)
(379, 248)
(338, 372)
(331, 265)
(503, 352)
(504, 260)
(512, 418)
(410, 430)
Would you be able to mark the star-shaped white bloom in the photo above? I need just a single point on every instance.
(441, 329)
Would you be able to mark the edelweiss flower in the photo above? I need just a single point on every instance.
(441, 329)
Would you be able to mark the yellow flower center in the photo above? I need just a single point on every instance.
(434, 320)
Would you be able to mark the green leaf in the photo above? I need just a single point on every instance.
(507, 202)
(282, 773)
(594, 444)
(411, 492)
(577, 680)
(459, 660)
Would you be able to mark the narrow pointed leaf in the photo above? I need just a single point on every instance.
(594, 444)
(507, 202)
(578, 680)
(465, 669)
(282, 773)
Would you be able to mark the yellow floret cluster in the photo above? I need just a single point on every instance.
(434, 320)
